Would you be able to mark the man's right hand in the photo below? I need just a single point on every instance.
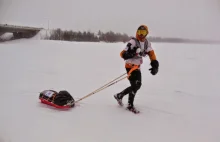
(127, 55)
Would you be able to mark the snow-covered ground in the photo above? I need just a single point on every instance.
(180, 104)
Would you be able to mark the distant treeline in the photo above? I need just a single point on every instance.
(88, 36)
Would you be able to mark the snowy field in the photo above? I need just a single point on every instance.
(180, 104)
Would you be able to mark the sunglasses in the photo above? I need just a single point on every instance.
(142, 32)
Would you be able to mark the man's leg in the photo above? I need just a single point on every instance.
(135, 81)
(119, 96)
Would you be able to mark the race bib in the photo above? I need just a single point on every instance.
(49, 94)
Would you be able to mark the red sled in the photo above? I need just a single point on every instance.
(54, 105)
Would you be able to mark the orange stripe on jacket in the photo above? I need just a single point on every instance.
(121, 54)
(152, 55)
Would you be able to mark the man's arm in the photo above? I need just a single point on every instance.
(129, 51)
(154, 63)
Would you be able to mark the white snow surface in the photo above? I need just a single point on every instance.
(42, 34)
(180, 104)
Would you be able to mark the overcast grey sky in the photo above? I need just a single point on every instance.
(197, 19)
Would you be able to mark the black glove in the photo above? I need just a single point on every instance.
(127, 55)
(155, 65)
(130, 53)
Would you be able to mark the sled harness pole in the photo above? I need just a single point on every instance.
(104, 86)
